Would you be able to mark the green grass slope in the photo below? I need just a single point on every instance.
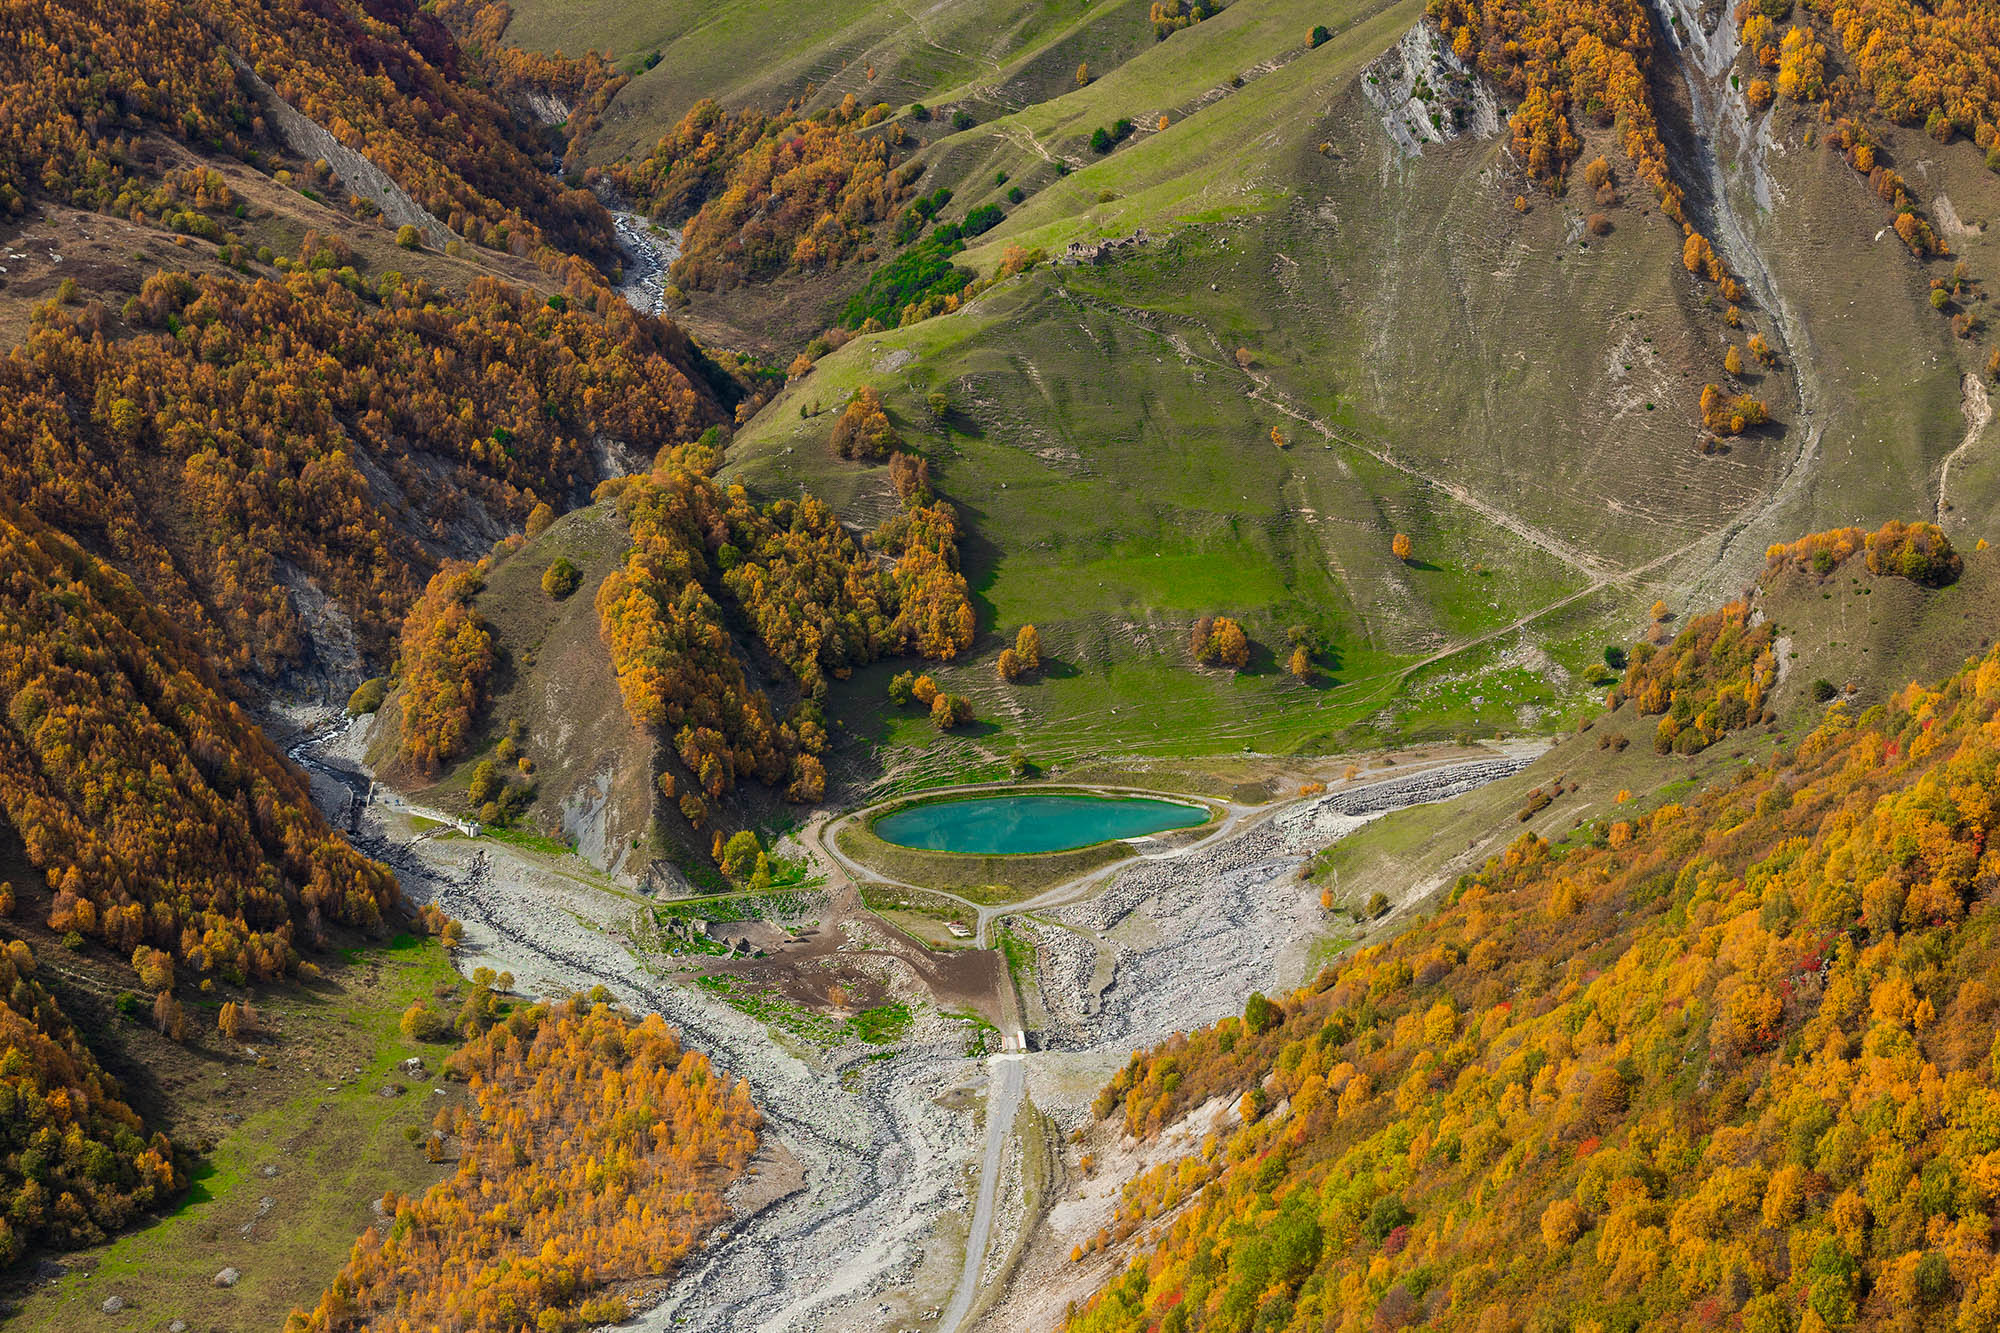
(988, 54)
(1513, 390)
(1866, 636)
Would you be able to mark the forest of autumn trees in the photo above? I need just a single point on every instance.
(767, 194)
(1937, 66)
(157, 811)
(270, 404)
(1712, 679)
(87, 81)
(173, 474)
(1727, 1064)
(447, 654)
(75, 1162)
(817, 602)
(596, 1153)
(585, 85)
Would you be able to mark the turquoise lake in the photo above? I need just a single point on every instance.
(988, 825)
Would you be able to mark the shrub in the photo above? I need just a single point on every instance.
(981, 220)
(1318, 37)
(367, 696)
(559, 580)
(409, 237)
(420, 1022)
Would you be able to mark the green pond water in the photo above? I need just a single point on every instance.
(987, 825)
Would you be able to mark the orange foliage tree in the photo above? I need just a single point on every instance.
(1219, 641)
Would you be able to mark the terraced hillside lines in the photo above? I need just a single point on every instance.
(1263, 390)
(1239, 91)
(990, 54)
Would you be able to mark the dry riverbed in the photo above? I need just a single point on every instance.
(876, 1145)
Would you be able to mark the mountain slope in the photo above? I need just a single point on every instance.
(1716, 1055)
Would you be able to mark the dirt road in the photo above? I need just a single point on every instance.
(1002, 1101)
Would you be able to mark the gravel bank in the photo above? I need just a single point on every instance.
(887, 1140)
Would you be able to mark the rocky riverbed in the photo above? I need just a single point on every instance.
(881, 1145)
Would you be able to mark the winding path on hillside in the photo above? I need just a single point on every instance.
(1263, 389)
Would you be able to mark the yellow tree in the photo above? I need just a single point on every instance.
(1401, 546)
(1028, 648)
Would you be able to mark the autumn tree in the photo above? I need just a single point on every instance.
(910, 475)
(863, 431)
(1401, 547)
(950, 710)
(1028, 647)
(1219, 641)
(168, 1020)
